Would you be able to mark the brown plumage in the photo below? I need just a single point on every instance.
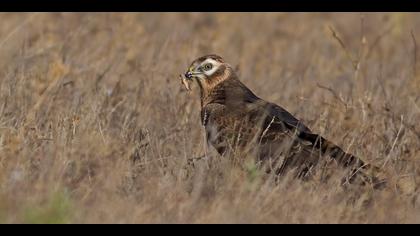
(237, 121)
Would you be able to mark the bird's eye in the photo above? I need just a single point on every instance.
(208, 66)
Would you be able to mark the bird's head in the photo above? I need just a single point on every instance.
(208, 71)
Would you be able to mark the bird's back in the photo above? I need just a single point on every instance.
(237, 121)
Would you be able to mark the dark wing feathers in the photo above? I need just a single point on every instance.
(231, 102)
(306, 135)
(283, 115)
(279, 120)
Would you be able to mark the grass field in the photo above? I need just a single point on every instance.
(95, 126)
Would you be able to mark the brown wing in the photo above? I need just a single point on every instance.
(283, 115)
(306, 148)
(254, 119)
(277, 121)
(234, 117)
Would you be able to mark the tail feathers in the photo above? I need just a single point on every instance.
(359, 170)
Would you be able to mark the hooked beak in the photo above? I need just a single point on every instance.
(190, 73)
(188, 77)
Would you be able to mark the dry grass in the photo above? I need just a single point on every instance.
(95, 126)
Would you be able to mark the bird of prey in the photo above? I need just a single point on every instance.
(237, 121)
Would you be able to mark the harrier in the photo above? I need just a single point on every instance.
(236, 121)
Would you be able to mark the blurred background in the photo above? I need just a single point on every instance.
(95, 125)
